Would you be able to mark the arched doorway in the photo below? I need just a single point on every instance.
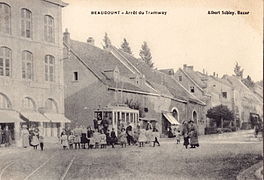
(194, 117)
(175, 113)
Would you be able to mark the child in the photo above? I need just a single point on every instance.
(123, 137)
(96, 137)
(178, 136)
(155, 136)
(41, 142)
(102, 139)
(92, 142)
(64, 140)
(142, 137)
(35, 141)
(71, 140)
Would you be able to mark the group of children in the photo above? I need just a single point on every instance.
(94, 139)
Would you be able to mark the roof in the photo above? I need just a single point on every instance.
(98, 60)
(57, 2)
(165, 81)
(196, 77)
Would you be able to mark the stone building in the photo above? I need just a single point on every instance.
(95, 77)
(228, 90)
(31, 65)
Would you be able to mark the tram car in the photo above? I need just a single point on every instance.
(117, 117)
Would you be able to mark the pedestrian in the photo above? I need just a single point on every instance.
(185, 134)
(155, 135)
(25, 136)
(41, 142)
(84, 139)
(108, 137)
(149, 134)
(113, 138)
(142, 137)
(1, 135)
(92, 142)
(123, 138)
(7, 136)
(97, 139)
(71, 140)
(89, 135)
(64, 140)
(129, 133)
(178, 136)
(257, 128)
(77, 137)
(35, 140)
(193, 134)
(103, 139)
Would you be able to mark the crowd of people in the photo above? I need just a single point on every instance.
(5, 136)
(101, 137)
(32, 137)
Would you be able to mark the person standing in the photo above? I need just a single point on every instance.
(142, 137)
(77, 137)
(130, 139)
(25, 136)
(89, 135)
(35, 140)
(155, 135)
(64, 140)
(41, 142)
(123, 138)
(1, 135)
(193, 133)
(7, 136)
(113, 138)
(185, 134)
(83, 137)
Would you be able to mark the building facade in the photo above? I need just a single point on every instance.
(97, 77)
(31, 67)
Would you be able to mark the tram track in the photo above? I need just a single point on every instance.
(10, 163)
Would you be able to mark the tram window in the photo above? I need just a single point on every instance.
(123, 116)
(127, 117)
(99, 116)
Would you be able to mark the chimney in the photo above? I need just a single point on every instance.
(214, 74)
(203, 71)
(90, 41)
(66, 37)
(184, 66)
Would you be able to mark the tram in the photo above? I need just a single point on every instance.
(117, 117)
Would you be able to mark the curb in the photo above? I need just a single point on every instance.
(244, 174)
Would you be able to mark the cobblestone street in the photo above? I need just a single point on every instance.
(218, 157)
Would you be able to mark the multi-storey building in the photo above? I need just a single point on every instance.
(31, 67)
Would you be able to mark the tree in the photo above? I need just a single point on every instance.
(248, 82)
(125, 47)
(107, 41)
(219, 114)
(238, 71)
(145, 54)
(135, 105)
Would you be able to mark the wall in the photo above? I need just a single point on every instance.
(38, 89)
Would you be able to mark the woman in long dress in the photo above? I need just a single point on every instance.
(25, 136)
(193, 133)
(185, 134)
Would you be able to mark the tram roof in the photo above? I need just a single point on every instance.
(117, 108)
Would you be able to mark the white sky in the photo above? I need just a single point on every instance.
(186, 35)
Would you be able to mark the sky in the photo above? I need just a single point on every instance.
(187, 34)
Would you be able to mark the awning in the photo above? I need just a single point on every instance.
(9, 116)
(57, 118)
(171, 119)
(34, 116)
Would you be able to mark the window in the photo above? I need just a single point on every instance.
(5, 61)
(214, 85)
(49, 28)
(49, 68)
(27, 65)
(5, 18)
(180, 78)
(4, 102)
(26, 24)
(28, 104)
(192, 89)
(75, 76)
(224, 94)
(51, 106)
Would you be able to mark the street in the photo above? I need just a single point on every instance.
(218, 157)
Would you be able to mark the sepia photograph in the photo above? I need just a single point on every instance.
(122, 89)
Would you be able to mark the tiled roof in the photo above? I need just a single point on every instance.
(157, 77)
(97, 59)
(196, 76)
